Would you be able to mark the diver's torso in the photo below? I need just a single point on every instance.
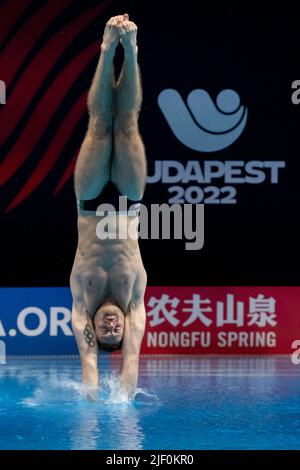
(105, 267)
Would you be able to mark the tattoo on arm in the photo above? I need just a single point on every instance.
(89, 336)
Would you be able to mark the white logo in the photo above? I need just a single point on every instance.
(158, 219)
(201, 125)
(59, 318)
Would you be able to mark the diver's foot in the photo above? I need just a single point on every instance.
(128, 35)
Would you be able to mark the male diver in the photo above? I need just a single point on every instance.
(108, 279)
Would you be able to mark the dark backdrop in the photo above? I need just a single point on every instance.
(253, 52)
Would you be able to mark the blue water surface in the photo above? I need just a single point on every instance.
(182, 403)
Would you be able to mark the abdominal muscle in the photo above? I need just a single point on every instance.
(104, 267)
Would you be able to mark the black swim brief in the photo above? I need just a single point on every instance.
(109, 195)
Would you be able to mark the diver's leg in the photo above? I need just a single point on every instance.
(128, 170)
(93, 163)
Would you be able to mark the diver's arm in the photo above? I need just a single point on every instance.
(135, 322)
(88, 349)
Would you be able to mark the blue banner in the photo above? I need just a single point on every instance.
(36, 321)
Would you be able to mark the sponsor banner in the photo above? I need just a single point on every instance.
(222, 320)
(180, 320)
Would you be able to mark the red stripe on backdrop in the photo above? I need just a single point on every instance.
(221, 320)
(53, 152)
(33, 78)
(66, 175)
(26, 37)
(44, 112)
(10, 12)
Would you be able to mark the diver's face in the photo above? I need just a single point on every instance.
(109, 324)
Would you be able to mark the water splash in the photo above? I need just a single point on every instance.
(33, 401)
(112, 394)
(67, 391)
(57, 391)
(146, 397)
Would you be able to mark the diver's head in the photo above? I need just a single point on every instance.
(109, 326)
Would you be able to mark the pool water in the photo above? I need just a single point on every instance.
(182, 403)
